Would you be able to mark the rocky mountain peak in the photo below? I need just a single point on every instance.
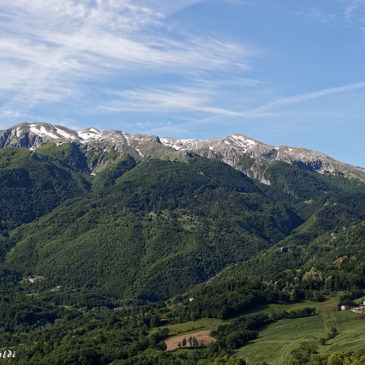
(231, 149)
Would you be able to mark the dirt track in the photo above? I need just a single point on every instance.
(202, 337)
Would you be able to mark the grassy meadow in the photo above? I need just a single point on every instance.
(202, 324)
(276, 342)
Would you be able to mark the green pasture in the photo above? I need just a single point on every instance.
(276, 342)
(193, 326)
(328, 306)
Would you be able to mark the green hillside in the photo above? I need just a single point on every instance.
(306, 192)
(31, 186)
(283, 339)
(162, 228)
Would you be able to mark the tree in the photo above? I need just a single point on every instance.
(155, 321)
(161, 346)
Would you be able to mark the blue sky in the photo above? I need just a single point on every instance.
(280, 71)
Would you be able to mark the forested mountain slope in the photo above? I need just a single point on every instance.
(151, 228)
(32, 185)
(161, 228)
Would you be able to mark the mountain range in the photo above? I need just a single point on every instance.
(107, 236)
(239, 151)
(134, 215)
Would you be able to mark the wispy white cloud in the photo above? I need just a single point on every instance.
(203, 98)
(160, 100)
(284, 102)
(353, 8)
(50, 46)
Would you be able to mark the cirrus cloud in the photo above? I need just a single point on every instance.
(51, 47)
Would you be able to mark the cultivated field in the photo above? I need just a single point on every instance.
(202, 337)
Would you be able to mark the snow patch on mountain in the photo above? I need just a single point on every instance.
(89, 133)
(42, 131)
(176, 144)
(241, 141)
(229, 149)
(139, 152)
(65, 134)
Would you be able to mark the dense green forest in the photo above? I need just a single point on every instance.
(161, 228)
(101, 269)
